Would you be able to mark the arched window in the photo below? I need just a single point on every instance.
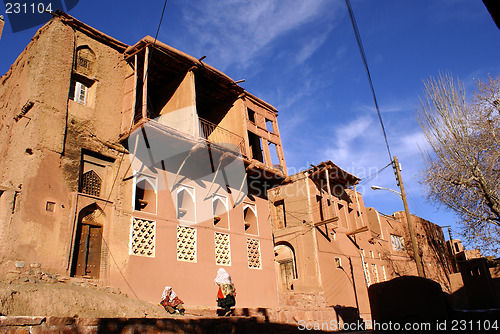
(145, 194)
(85, 60)
(285, 257)
(91, 183)
(185, 205)
(220, 211)
(250, 218)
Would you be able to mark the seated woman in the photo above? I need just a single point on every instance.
(227, 292)
(171, 302)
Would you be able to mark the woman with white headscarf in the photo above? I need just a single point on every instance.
(171, 302)
(227, 292)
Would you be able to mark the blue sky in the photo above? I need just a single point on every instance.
(302, 57)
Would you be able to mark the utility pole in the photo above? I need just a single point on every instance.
(453, 252)
(408, 219)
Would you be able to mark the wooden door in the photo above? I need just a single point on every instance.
(87, 257)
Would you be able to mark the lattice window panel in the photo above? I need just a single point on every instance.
(222, 249)
(83, 62)
(367, 274)
(143, 238)
(253, 253)
(91, 183)
(186, 244)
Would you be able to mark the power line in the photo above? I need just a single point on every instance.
(363, 57)
(121, 161)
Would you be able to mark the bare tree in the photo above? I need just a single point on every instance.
(463, 159)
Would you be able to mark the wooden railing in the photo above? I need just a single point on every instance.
(216, 134)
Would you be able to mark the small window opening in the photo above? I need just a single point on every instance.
(78, 91)
(279, 208)
(338, 263)
(185, 206)
(50, 206)
(269, 125)
(251, 115)
(273, 152)
(145, 196)
(250, 220)
(255, 143)
(219, 210)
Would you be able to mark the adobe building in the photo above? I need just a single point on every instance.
(136, 167)
(330, 248)
(459, 253)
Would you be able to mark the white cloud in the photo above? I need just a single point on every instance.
(238, 31)
(309, 48)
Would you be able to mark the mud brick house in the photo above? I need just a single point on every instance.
(330, 248)
(137, 166)
(141, 166)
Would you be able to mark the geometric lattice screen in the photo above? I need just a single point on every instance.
(186, 244)
(91, 183)
(222, 249)
(143, 238)
(253, 253)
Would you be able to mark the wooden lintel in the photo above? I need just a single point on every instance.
(359, 230)
(326, 221)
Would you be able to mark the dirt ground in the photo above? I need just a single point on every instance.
(72, 299)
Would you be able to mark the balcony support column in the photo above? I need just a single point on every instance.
(145, 85)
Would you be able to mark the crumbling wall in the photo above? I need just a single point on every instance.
(33, 131)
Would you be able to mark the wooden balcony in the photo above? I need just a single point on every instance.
(218, 135)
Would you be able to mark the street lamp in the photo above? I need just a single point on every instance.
(402, 194)
(382, 188)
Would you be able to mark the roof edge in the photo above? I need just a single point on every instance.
(93, 32)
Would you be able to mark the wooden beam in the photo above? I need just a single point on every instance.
(326, 221)
(359, 230)
(145, 85)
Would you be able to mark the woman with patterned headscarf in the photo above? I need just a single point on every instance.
(171, 302)
(227, 292)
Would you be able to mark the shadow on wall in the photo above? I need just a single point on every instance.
(348, 314)
(415, 300)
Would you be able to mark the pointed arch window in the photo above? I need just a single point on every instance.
(250, 218)
(145, 193)
(220, 211)
(186, 209)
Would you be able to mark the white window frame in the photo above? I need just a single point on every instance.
(80, 88)
(252, 207)
(224, 201)
(367, 274)
(192, 193)
(138, 177)
(397, 243)
(376, 277)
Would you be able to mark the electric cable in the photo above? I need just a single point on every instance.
(121, 161)
(363, 57)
